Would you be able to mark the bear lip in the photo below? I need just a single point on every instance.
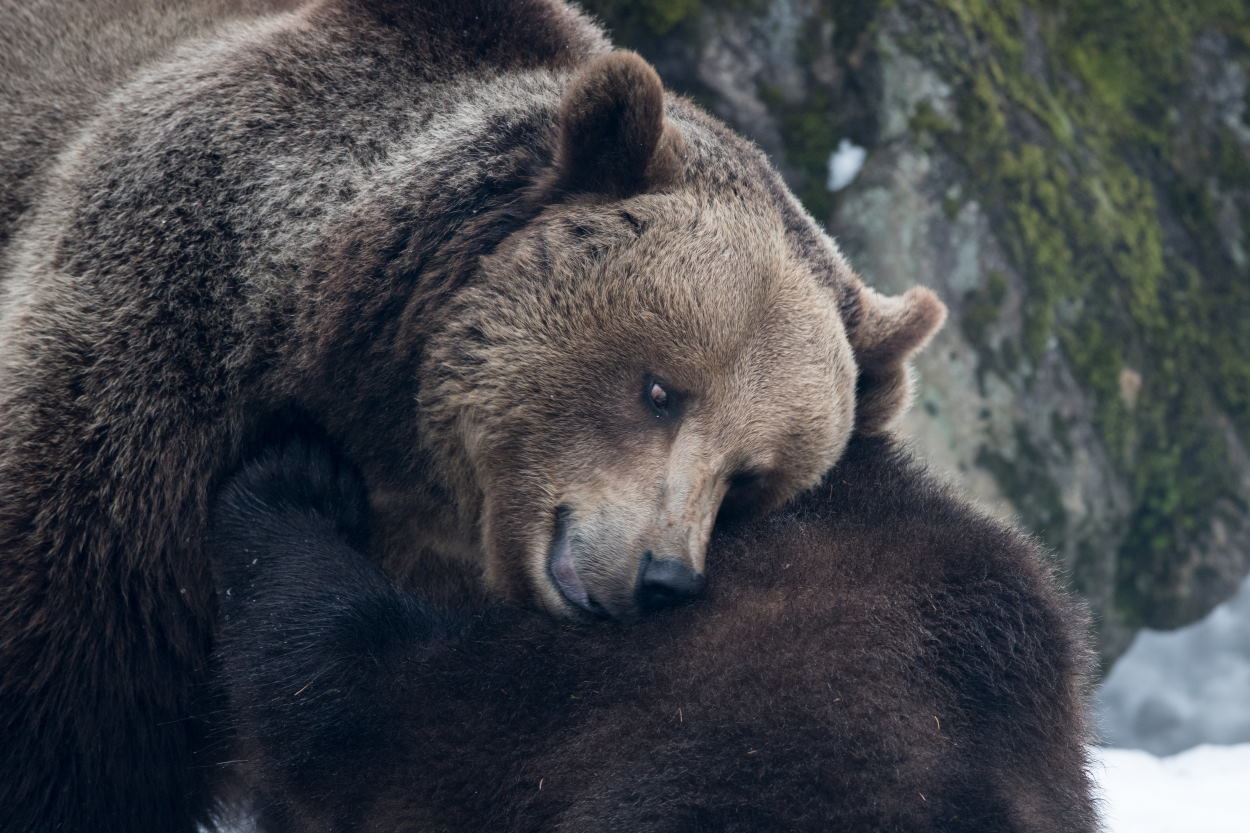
(561, 567)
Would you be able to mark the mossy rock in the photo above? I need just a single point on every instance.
(1075, 174)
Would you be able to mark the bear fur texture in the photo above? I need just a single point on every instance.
(879, 656)
(553, 314)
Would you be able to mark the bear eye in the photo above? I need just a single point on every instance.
(661, 401)
(659, 396)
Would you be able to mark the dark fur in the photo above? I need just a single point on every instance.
(877, 657)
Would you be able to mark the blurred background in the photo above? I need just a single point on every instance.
(1073, 178)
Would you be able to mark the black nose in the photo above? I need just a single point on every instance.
(664, 582)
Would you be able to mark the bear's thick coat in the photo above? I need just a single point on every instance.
(879, 656)
(553, 314)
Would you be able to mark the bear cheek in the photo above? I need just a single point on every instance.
(516, 532)
(830, 429)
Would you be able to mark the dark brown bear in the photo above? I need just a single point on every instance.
(553, 314)
(877, 657)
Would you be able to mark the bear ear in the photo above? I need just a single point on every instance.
(885, 332)
(612, 134)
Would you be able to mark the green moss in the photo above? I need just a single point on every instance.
(926, 121)
(1038, 498)
(982, 307)
(634, 20)
(1231, 162)
(810, 133)
(852, 19)
(1072, 172)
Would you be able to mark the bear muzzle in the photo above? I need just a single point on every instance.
(582, 575)
(666, 582)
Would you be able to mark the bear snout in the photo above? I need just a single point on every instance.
(666, 582)
(589, 565)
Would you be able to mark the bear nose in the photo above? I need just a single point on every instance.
(664, 582)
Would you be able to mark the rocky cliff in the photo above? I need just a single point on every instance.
(1073, 177)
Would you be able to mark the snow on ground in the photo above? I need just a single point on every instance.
(1203, 790)
(1173, 690)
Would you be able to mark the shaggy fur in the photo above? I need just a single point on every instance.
(876, 657)
(466, 238)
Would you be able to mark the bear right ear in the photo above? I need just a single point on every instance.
(612, 133)
(885, 332)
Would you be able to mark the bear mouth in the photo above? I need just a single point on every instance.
(561, 567)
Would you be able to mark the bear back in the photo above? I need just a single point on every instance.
(880, 656)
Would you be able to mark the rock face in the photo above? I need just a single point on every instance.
(1074, 179)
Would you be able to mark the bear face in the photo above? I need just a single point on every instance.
(667, 335)
(878, 656)
(671, 350)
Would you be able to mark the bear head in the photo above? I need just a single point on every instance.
(621, 325)
(675, 335)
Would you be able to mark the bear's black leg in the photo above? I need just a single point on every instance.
(313, 635)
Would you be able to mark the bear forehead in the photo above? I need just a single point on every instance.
(710, 283)
(710, 295)
(709, 273)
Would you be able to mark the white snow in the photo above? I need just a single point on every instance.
(844, 164)
(1203, 790)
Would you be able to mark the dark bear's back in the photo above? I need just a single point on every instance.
(878, 657)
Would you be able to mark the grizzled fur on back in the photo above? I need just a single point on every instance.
(879, 657)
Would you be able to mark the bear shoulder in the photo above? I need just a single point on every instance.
(453, 36)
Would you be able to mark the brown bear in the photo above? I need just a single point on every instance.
(878, 656)
(555, 315)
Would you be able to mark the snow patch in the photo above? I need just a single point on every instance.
(1200, 790)
(844, 164)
